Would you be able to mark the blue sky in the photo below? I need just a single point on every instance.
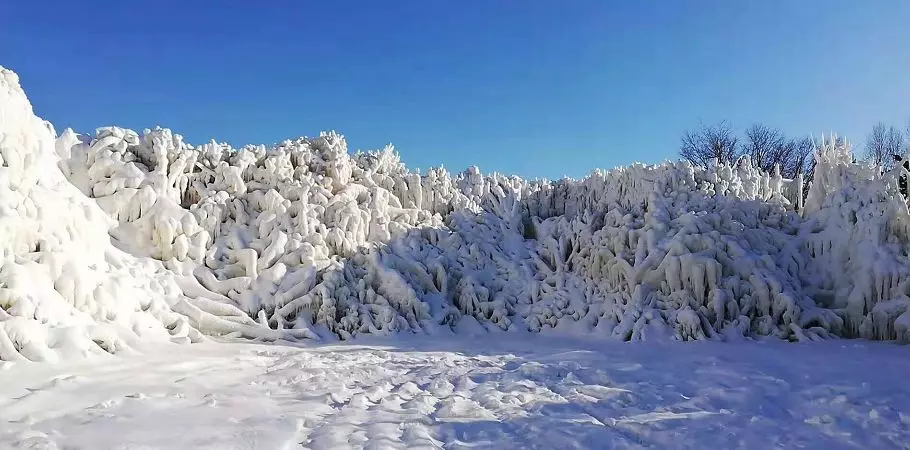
(536, 88)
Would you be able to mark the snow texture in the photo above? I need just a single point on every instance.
(519, 391)
(116, 237)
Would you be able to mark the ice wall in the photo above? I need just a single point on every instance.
(119, 235)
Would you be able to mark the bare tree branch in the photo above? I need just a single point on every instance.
(882, 144)
(907, 136)
(702, 146)
(800, 157)
(766, 147)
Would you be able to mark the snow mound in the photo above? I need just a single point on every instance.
(65, 289)
(120, 235)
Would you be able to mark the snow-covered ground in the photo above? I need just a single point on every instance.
(519, 390)
(132, 265)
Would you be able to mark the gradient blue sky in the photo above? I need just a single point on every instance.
(537, 88)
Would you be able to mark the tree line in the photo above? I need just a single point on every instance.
(886, 144)
(768, 147)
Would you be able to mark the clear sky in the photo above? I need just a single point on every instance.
(536, 88)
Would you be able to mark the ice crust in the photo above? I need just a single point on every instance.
(109, 238)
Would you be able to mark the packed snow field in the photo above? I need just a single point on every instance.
(114, 241)
(512, 392)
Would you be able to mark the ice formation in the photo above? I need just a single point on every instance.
(118, 236)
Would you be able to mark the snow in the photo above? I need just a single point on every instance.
(519, 390)
(304, 240)
(65, 290)
(127, 244)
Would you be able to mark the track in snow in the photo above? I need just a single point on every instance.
(466, 393)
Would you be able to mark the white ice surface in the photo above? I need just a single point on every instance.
(519, 390)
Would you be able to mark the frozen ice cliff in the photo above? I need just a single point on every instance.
(119, 236)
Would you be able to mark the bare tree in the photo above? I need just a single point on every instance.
(766, 147)
(769, 147)
(882, 144)
(907, 135)
(702, 146)
(800, 158)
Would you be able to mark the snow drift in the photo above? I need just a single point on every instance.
(121, 236)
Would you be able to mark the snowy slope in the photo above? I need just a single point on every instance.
(120, 236)
(514, 392)
(64, 289)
